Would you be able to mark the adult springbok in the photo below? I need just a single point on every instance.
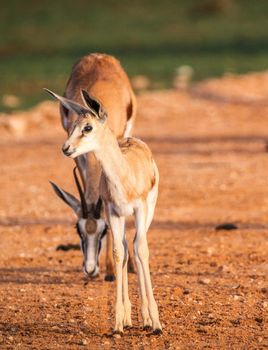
(103, 77)
(128, 185)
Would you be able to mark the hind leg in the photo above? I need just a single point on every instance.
(149, 306)
(127, 305)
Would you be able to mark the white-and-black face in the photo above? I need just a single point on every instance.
(91, 232)
(91, 227)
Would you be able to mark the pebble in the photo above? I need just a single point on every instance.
(117, 336)
(226, 268)
(204, 281)
(235, 286)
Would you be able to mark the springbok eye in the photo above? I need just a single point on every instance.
(87, 128)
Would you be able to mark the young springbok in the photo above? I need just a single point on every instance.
(102, 76)
(129, 185)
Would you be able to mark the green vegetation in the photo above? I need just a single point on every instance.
(40, 40)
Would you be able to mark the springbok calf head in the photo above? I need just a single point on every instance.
(90, 227)
(86, 132)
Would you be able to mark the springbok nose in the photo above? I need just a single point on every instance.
(65, 149)
(91, 271)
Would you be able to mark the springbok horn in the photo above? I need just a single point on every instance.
(81, 194)
(97, 210)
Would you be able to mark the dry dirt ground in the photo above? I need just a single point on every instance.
(210, 144)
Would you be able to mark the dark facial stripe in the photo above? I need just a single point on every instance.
(104, 232)
(99, 248)
(78, 230)
(82, 239)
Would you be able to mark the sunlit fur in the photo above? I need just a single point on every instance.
(129, 185)
(103, 77)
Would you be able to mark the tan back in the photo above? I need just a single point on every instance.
(102, 77)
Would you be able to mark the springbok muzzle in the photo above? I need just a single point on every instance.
(67, 150)
(91, 270)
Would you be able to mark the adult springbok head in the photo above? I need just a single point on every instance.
(91, 226)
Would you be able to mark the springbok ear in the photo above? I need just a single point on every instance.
(68, 199)
(94, 105)
(70, 105)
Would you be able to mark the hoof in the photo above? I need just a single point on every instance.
(128, 327)
(147, 328)
(117, 334)
(109, 278)
(157, 331)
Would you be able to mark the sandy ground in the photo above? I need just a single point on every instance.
(210, 144)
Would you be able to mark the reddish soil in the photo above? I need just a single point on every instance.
(210, 144)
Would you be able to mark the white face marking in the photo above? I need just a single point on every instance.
(90, 244)
(85, 145)
(81, 141)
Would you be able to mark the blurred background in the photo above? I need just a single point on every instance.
(154, 39)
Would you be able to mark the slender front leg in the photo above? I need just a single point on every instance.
(117, 225)
(126, 301)
(147, 322)
(109, 276)
(142, 251)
